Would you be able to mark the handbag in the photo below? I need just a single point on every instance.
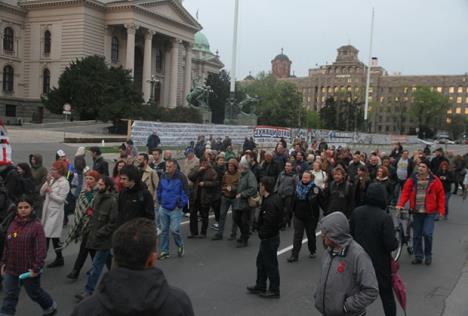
(254, 201)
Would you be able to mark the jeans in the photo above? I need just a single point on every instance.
(170, 220)
(309, 225)
(447, 198)
(99, 260)
(226, 203)
(267, 264)
(33, 290)
(242, 219)
(156, 218)
(423, 227)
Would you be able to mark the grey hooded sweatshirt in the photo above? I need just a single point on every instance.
(347, 283)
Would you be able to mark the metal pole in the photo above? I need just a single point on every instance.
(234, 49)
(366, 106)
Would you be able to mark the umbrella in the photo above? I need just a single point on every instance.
(397, 283)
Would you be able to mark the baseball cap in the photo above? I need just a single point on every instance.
(61, 153)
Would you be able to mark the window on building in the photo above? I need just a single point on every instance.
(451, 99)
(8, 39)
(466, 110)
(8, 78)
(413, 89)
(387, 128)
(349, 80)
(466, 89)
(323, 99)
(115, 50)
(397, 99)
(439, 89)
(405, 90)
(458, 110)
(449, 111)
(45, 81)
(370, 98)
(336, 89)
(47, 42)
(371, 89)
(322, 89)
(451, 90)
(329, 89)
(10, 110)
(459, 100)
(460, 90)
(382, 99)
(380, 128)
(466, 100)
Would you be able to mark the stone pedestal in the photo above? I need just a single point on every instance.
(206, 116)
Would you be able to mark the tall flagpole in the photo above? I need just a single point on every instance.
(234, 49)
(369, 65)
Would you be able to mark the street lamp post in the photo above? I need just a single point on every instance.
(152, 82)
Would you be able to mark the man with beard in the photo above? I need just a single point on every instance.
(157, 163)
(99, 164)
(340, 193)
(354, 166)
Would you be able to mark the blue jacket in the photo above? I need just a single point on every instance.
(172, 191)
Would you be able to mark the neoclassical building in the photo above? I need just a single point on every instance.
(390, 95)
(157, 40)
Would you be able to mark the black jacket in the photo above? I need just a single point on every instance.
(124, 292)
(135, 202)
(309, 208)
(447, 178)
(153, 141)
(271, 169)
(101, 166)
(271, 216)
(340, 197)
(373, 229)
(103, 222)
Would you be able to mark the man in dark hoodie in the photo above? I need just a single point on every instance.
(135, 286)
(39, 172)
(347, 283)
(373, 229)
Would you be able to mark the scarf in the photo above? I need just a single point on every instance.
(302, 190)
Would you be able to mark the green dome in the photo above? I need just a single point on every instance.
(201, 43)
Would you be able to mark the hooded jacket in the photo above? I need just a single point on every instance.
(286, 184)
(373, 229)
(103, 222)
(135, 202)
(347, 283)
(39, 172)
(125, 292)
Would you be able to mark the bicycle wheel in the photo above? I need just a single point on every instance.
(397, 252)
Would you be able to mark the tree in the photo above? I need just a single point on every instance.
(457, 125)
(96, 91)
(344, 113)
(429, 108)
(312, 119)
(220, 84)
(280, 104)
(328, 114)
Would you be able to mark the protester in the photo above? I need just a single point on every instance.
(246, 189)
(101, 227)
(220, 169)
(362, 181)
(132, 151)
(286, 187)
(372, 166)
(25, 251)
(306, 209)
(172, 198)
(80, 164)
(83, 213)
(347, 284)
(269, 223)
(55, 190)
(340, 193)
(116, 174)
(38, 171)
(437, 159)
(426, 195)
(135, 286)
(269, 167)
(149, 177)
(229, 191)
(382, 177)
(153, 141)
(157, 162)
(99, 164)
(447, 178)
(204, 181)
(373, 229)
(320, 176)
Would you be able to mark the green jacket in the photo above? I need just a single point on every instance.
(247, 188)
(104, 221)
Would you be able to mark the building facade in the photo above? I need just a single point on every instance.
(154, 39)
(389, 95)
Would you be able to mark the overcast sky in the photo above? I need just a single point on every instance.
(411, 36)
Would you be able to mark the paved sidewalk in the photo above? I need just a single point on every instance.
(456, 303)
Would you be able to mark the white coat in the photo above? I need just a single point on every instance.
(52, 211)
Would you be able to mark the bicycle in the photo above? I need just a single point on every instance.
(403, 231)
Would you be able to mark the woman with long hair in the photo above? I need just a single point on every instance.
(116, 174)
(24, 252)
(55, 190)
(383, 178)
(447, 178)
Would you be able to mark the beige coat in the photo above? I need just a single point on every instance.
(151, 179)
(52, 211)
(188, 166)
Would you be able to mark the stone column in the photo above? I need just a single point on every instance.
(108, 43)
(147, 65)
(130, 58)
(174, 73)
(188, 70)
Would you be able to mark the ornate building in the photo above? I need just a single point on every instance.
(389, 95)
(155, 39)
(281, 66)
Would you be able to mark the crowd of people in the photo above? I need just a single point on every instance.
(344, 194)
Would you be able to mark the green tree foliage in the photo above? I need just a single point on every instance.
(312, 119)
(220, 84)
(429, 108)
(457, 125)
(280, 104)
(96, 91)
(343, 113)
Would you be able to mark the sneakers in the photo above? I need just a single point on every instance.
(215, 226)
(164, 255)
(313, 255)
(255, 290)
(269, 294)
(293, 258)
(416, 261)
(180, 251)
(58, 262)
(428, 261)
(81, 296)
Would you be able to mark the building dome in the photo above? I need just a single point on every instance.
(282, 56)
(201, 43)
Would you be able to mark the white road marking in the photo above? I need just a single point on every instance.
(211, 216)
(280, 252)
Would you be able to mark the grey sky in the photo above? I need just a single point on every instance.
(411, 36)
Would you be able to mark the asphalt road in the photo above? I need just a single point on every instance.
(215, 274)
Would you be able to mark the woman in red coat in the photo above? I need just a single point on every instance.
(426, 195)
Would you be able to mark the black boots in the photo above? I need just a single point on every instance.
(73, 275)
(58, 262)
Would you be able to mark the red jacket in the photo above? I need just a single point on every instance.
(435, 194)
